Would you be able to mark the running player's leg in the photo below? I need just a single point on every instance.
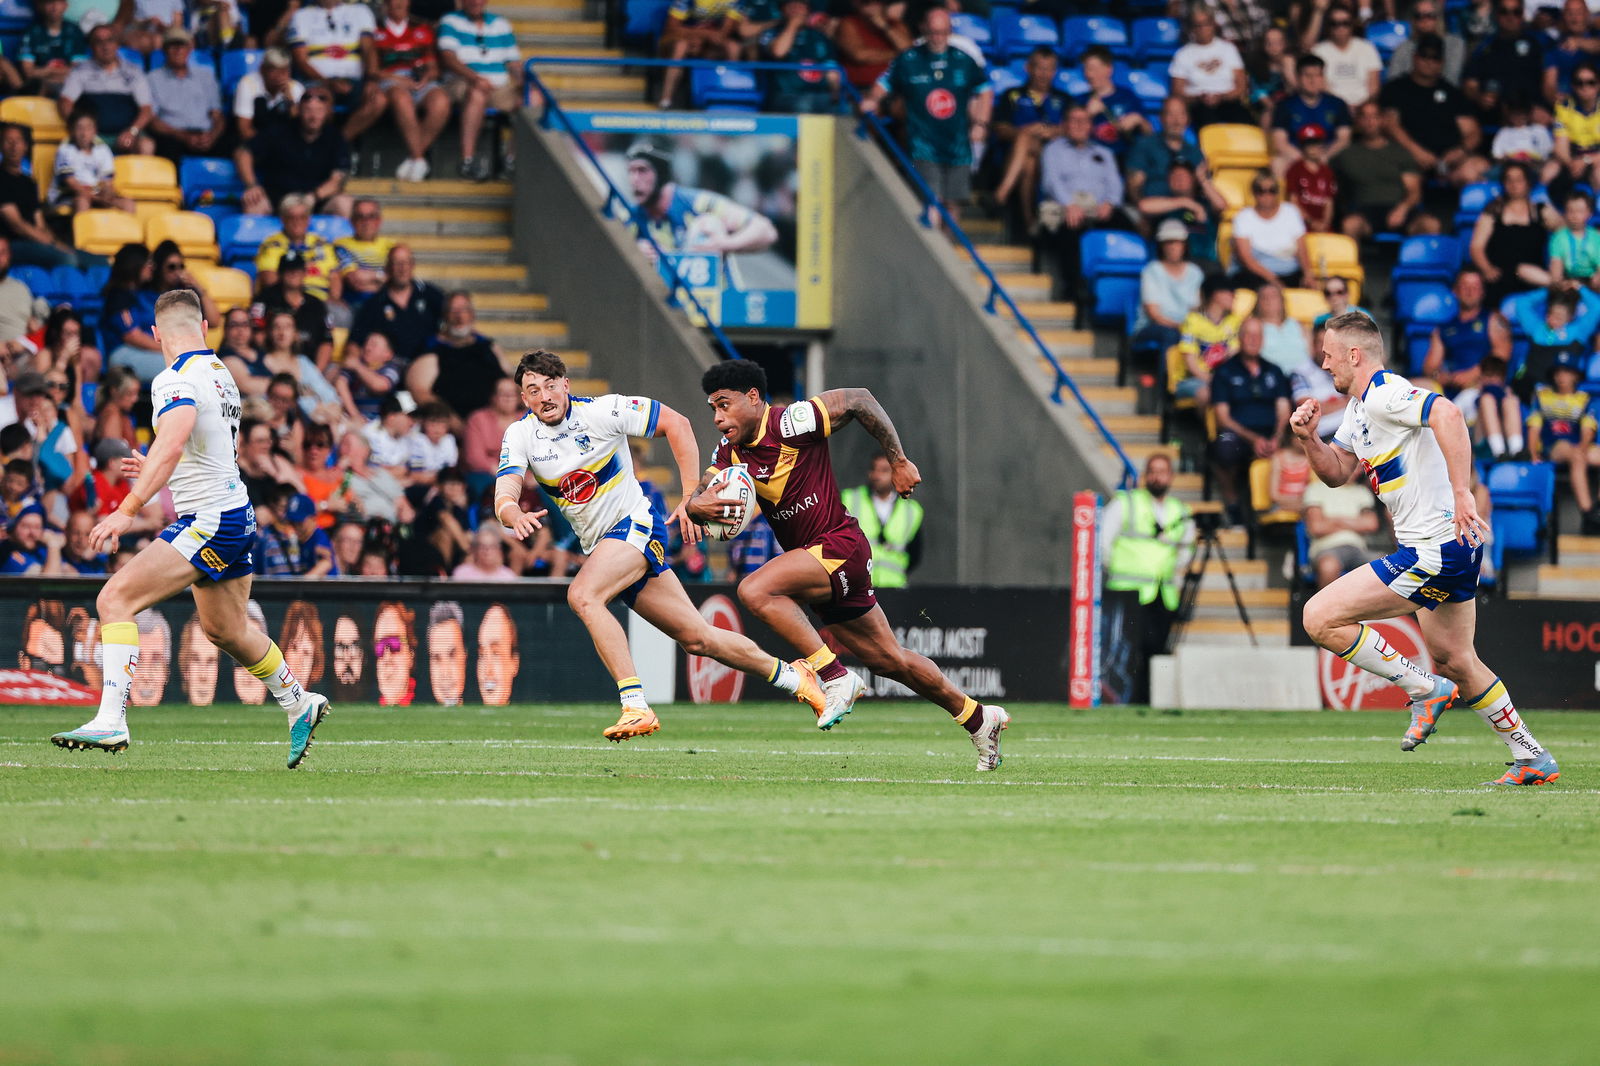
(774, 594)
(613, 567)
(1450, 632)
(664, 604)
(155, 574)
(1335, 619)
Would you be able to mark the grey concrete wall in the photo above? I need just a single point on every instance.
(999, 462)
(613, 302)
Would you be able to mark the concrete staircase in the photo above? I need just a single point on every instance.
(1575, 577)
(560, 28)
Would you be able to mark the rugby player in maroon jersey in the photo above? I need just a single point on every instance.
(826, 563)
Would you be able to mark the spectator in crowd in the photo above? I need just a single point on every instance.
(1269, 238)
(1379, 181)
(750, 550)
(114, 88)
(361, 257)
(1290, 473)
(349, 538)
(1457, 347)
(485, 429)
(798, 38)
(1193, 200)
(63, 464)
(318, 475)
(50, 48)
(1080, 189)
(1520, 139)
(1151, 535)
(21, 221)
(868, 39)
(1338, 519)
(16, 313)
(1250, 398)
(1574, 252)
(150, 21)
(1577, 131)
(1571, 42)
(290, 544)
(1115, 111)
(1238, 21)
(1353, 63)
(1561, 322)
(1269, 68)
(1508, 66)
(129, 314)
(309, 314)
(1511, 237)
(1337, 292)
(239, 353)
(371, 374)
(1026, 118)
(114, 402)
(892, 525)
(308, 392)
(947, 100)
(1313, 188)
(10, 77)
(1169, 289)
(374, 491)
(169, 270)
(31, 548)
(16, 490)
(62, 351)
(405, 310)
(1498, 431)
(408, 83)
(1209, 73)
(479, 52)
(1310, 106)
(84, 169)
(266, 96)
(1210, 337)
(697, 29)
(1151, 158)
(331, 44)
(1283, 340)
(1426, 20)
(1561, 428)
(1431, 119)
(186, 117)
(264, 467)
(78, 556)
(462, 366)
(487, 559)
(390, 435)
(308, 156)
(433, 448)
(315, 252)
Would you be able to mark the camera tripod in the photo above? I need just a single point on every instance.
(1206, 544)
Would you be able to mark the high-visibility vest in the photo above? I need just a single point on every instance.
(1143, 560)
(891, 561)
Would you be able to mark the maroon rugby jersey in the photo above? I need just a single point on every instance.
(793, 475)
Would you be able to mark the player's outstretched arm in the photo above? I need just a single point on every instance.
(859, 404)
(1450, 430)
(152, 474)
(507, 508)
(1333, 465)
(686, 453)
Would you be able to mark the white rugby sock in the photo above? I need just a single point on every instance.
(1494, 707)
(784, 677)
(1376, 656)
(119, 644)
(273, 672)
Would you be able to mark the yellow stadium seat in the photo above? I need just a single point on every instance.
(1333, 255)
(1225, 244)
(103, 231)
(1177, 370)
(44, 169)
(341, 337)
(147, 178)
(1234, 185)
(1304, 305)
(145, 210)
(1231, 144)
(39, 114)
(1267, 513)
(227, 287)
(1244, 301)
(195, 234)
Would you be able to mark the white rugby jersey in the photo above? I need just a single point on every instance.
(332, 37)
(207, 476)
(583, 462)
(1386, 427)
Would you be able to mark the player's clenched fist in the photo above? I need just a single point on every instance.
(1305, 418)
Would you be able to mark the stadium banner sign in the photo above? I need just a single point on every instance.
(1546, 651)
(1084, 687)
(993, 643)
(741, 206)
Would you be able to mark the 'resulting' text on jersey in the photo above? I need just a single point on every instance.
(207, 475)
(583, 463)
(1386, 427)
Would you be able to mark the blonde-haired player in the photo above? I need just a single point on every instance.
(1413, 448)
(207, 549)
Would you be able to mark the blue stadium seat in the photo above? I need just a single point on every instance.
(1155, 40)
(83, 289)
(1410, 295)
(1387, 36)
(134, 56)
(723, 87)
(217, 212)
(235, 65)
(1591, 377)
(1003, 78)
(644, 20)
(332, 227)
(37, 279)
(1017, 35)
(1111, 253)
(1428, 258)
(1428, 310)
(1078, 32)
(240, 237)
(1152, 87)
(1113, 300)
(209, 181)
(975, 28)
(198, 58)
(1071, 81)
(1474, 198)
(1524, 498)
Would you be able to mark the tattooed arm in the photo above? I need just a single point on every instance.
(843, 405)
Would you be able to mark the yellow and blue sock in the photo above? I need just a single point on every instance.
(1494, 706)
(119, 656)
(279, 679)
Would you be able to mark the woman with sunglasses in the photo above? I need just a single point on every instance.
(170, 272)
(1511, 237)
(62, 463)
(1269, 239)
(129, 313)
(1353, 62)
(114, 402)
(64, 356)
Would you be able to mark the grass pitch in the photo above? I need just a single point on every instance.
(505, 887)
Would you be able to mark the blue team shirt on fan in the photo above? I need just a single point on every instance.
(936, 88)
(1292, 112)
(1465, 343)
(1119, 103)
(1018, 107)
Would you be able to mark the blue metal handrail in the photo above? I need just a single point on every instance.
(869, 122)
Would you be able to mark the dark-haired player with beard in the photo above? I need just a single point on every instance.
(826, 562)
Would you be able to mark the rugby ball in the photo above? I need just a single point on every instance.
(735, 485)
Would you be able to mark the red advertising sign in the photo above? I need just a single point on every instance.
(1083, 660)
(36, 686)
(1347, 687)
(709, 680)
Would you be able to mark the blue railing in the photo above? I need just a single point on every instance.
(869, 123)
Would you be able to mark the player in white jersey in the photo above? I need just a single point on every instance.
(1413, 448)
(207, 549)
(577, 449)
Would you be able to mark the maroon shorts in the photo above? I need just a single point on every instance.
(847, 556)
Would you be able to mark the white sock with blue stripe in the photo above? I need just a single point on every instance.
(1376, 656)
(1494, 706)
